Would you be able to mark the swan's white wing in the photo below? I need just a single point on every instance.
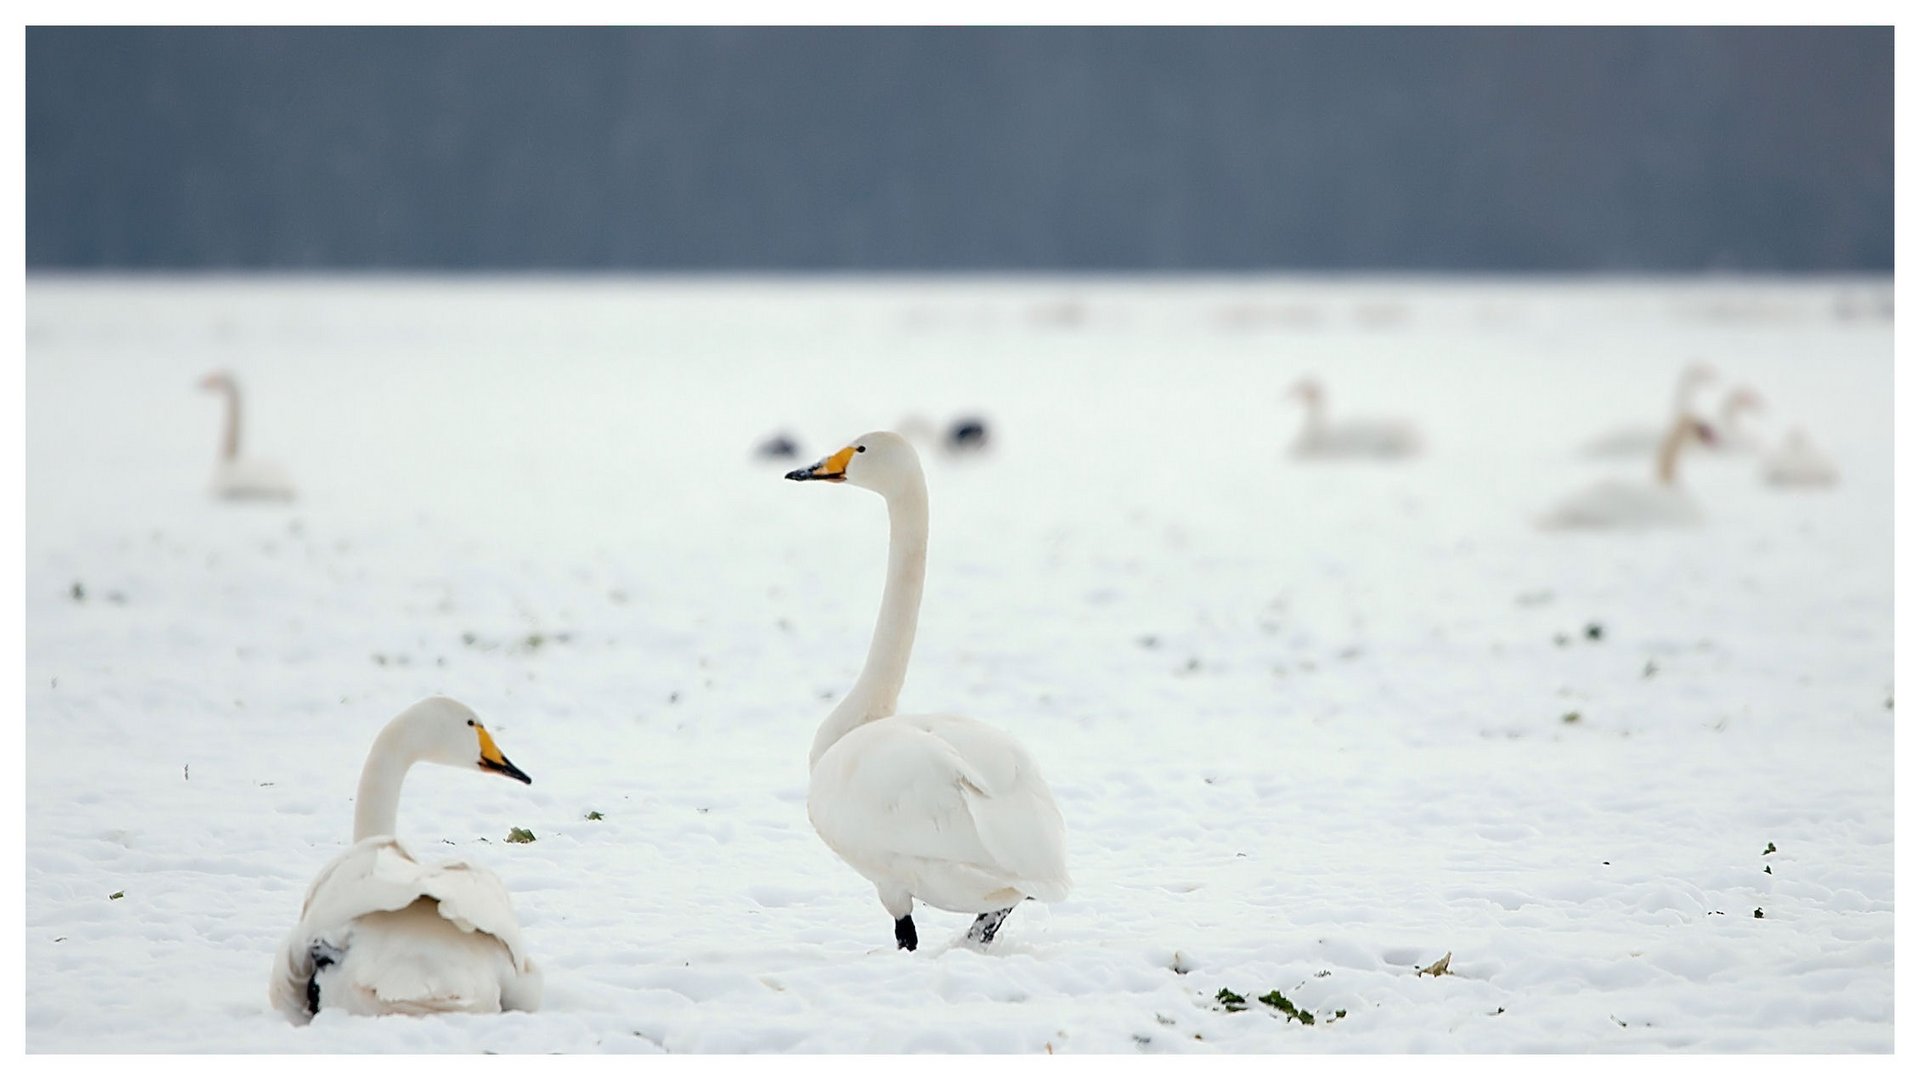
(379, 875)
(945, 803)
(1010, 803)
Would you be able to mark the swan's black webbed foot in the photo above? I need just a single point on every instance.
(904, 934)
(323, 956)
(987, 925)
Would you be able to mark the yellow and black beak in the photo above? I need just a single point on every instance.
(492, 760)
(832, 467)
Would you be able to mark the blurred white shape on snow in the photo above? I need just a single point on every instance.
(235, 477)
(1365, 437)
(1625, 504)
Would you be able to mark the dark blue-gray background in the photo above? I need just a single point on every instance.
(972, 149)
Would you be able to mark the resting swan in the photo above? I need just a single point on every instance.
(928, 806)
(1795, 463)
(1619, 504)
(1638, 440)
(235, 477)
(383, 932)
(1359, 438)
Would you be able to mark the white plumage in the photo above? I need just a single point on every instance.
(381, 931)
(1626, 504)
(1796, 463)
(939, 808)
(1354, 438)
(944, 808)
(392, 934)
(1623, 504)
(236, 477)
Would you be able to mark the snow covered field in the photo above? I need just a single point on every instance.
(1312, 726)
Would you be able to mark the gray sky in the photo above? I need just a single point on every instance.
(1025, 149)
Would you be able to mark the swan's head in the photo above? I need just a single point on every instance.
(1741, 399)
(217, 380)
(878, 461)
(445, 732)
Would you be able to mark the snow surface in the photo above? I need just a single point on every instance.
(1312, 726)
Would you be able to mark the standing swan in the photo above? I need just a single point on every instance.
(930, 806)
(382, 932)
(235, 477)
(1354, 438)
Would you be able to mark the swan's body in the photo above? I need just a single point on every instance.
(1795, 463)
(1624, 504)
(236, 477)
(383, 932)
(1640, 440)
(934, 807)
(1359, 438)
(941, 808)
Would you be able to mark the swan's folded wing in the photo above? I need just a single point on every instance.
(380, 874)
(899, 796)
(1012, 807)
(950, 788)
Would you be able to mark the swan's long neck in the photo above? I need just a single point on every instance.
(230, 439)
(876, 693)
(1666, 465)
(376, 807)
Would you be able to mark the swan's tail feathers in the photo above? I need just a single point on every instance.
(414, 961)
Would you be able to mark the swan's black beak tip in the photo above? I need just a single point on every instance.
(507, 769)
(801, 474)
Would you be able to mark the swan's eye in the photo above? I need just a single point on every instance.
(469, 721)
(859, 449)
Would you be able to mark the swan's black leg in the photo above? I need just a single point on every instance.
(904, 934)
(987, 925)
(323, 956)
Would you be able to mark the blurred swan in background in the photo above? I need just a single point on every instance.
(1363, 438)
(1623, 504)
(235, 477)
(1731, 435)
(381, 931)
(934, 807)
(1795, 463)
(1639, 440)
